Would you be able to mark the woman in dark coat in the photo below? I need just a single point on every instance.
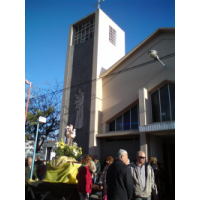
(98, 168)
(157, 174)
(109, 161)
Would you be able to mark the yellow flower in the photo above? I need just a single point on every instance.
(61, 144)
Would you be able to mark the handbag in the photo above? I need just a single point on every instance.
(105, 196)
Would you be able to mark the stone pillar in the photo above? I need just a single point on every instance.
(145, 118)
(67, 84)
(144, 107)
(143, 144)
(96, 97)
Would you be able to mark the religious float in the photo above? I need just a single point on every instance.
(60, 179)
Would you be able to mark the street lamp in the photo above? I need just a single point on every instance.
(154, 54)
(40, 120)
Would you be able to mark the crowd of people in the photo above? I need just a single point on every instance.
(117, 178)
(120, 179)
(39, 169)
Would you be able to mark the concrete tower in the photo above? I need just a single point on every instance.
(95, 43)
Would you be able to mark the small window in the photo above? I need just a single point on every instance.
(112, 126)
(155, 107)
(119, 123)
(134, 117)
(172, 99)
(112, 35)
(127, 120)
(164, 98)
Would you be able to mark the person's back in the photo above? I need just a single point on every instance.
(119, 181)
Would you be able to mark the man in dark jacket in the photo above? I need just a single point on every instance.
(119, 180)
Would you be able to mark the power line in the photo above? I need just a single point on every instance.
(112, 74)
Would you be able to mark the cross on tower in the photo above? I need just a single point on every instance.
(98, 4)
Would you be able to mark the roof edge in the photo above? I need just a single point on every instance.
(155, 33)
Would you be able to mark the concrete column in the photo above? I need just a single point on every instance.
(96, 97)
(143, 144)
(144, 107)
(67, 84)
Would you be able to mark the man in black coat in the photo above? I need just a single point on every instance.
(119, 179)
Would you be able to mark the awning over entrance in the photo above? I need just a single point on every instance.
(157, 127)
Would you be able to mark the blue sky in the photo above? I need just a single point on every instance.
(47, 24)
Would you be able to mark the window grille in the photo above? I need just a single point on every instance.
(112, 35)
(84, 31)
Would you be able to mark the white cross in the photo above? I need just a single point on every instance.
(98, 4)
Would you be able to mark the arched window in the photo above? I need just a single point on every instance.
(163, 103)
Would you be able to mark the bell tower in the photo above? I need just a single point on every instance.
(95, 43)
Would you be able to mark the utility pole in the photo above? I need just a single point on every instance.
(29, 83)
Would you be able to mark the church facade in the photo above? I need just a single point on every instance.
(120, 101)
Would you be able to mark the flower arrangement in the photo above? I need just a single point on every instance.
(63, 149)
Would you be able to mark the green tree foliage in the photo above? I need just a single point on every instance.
(46, 103)
(27, 136)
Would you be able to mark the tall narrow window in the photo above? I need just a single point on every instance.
(119, 125)
(127, 120)
(134, 117)
(172, 99)
(163, 103)
(164, 98)
(112, 35)
(112, 126)
(155, 107)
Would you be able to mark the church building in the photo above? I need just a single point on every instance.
(117, 101)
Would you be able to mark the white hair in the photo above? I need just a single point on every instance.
(121, 153)
(138, 153)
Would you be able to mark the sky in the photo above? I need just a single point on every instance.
(47, 24)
